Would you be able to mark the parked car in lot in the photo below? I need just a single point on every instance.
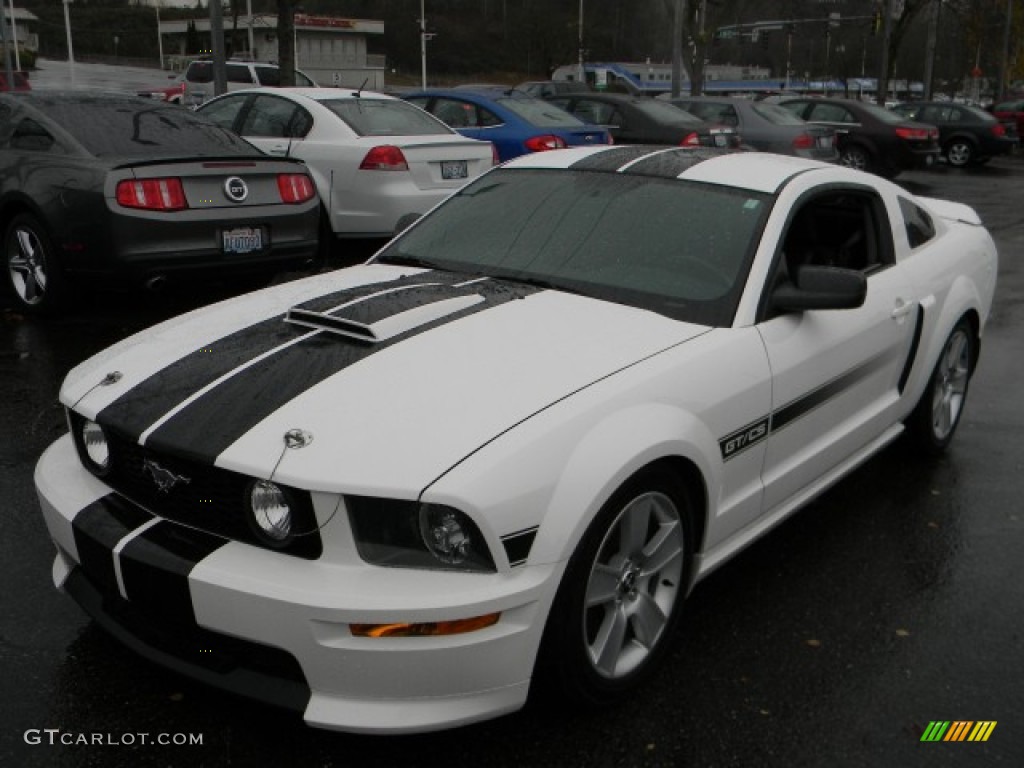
(545, 89)
(374, 157)
(870, 137)
(174, 94)
(1012, 111)
(968, 135)
(641, 120)
(117, 189)
(240, 74)
(21, 82)
(764, 127)
(398, 496)
(515, 123)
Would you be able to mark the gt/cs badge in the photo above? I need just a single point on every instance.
(236, 189)
(164, 479)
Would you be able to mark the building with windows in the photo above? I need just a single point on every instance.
(330, 49)
(23, 28)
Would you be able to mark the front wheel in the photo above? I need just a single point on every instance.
(935, 419)
(620, 598)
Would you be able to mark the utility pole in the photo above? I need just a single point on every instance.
(929, 48)
(423, 43)
(14, 39)
(677, 48)
(220, 76)
(581, 74)
(71, 52)
(883, 75)
(1004, 65)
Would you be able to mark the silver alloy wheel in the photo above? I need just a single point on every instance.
(950, 385)
(633, 585)
(27, 265)
(959, 154)
(854, 157)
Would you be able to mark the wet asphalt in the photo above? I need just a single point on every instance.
(894, 600)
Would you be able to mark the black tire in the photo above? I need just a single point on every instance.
(857, 157)
(959, 153)
(622, 592)
(32, 276)
(937, 414)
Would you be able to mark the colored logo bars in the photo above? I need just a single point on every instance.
(958, 730)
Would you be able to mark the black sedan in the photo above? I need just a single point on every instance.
(640, 120)
(967, 134)
(870, 137)
(117, 189)
(764, 127)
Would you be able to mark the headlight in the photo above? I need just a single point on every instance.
(270, 514)
(95, 450)
(413, 535)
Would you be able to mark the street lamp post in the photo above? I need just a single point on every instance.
(423, 44)
(71, 52)
(14, 39)
(581, 74)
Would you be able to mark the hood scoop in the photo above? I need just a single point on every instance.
(382, 316)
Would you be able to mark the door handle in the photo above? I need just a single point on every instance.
(902, 309)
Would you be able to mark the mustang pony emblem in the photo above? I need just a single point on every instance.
(165, 479)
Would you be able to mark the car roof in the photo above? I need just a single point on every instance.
(316, 94)
(752, 171)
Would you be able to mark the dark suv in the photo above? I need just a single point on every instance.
(870, 137)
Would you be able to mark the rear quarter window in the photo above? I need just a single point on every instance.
(919, 225)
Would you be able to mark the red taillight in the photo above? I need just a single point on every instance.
(611, 139)
(544, 143)
(495, 157)
(803, 141)
(295, 187)
(384, 158)
(152, 194)
(998, 129)
(692, 140)
(916, 134)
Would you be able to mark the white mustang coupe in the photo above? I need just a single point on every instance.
(498, 456)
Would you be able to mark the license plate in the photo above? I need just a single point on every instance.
(243, 240)
(721, 140)
(825, 142)
(454, 169)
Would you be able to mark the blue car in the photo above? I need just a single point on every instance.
(513, 122)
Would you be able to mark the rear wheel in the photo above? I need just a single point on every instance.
(33, 276)
(935, 419)
(856, 157)
(959, 153)
(621, 594)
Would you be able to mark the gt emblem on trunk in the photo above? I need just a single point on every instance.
(236, 189)
(164, 479)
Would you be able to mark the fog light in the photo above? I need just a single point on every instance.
(94, 442)
(425, 628)
(271, 514)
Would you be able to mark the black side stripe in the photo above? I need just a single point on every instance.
(140, 407)
(517, 545)
(204, 428)
(739, 440)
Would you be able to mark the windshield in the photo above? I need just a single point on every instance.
(678, 248)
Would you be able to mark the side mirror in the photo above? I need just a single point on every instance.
(821, 288)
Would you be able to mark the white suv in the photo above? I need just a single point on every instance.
(240, 74)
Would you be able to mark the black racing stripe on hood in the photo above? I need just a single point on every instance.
(136, 410)
(612, 159)
(396, 302)
(207, 426)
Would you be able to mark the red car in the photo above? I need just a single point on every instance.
(20, 81)
(170, 93)
(1011, 111)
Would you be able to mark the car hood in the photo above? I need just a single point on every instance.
(369, 380)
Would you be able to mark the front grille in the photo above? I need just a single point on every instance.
(201, 496)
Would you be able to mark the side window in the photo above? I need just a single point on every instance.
(831, 113)
(456, 114)
(486, 118)
(239, 73)
(839, 228)
(919, 225)
(269, 117)
(224, 111)
(31, 136)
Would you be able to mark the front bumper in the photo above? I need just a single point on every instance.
(276, 627)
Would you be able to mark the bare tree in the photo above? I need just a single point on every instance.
(286, 40)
